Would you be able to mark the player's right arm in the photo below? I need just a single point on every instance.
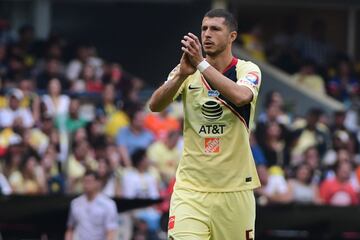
(165, 94)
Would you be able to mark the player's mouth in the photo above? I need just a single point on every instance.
(208, 44)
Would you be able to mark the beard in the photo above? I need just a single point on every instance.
(215, 52)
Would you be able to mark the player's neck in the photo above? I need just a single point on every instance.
(221, 61)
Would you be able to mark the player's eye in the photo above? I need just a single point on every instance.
(215, 28)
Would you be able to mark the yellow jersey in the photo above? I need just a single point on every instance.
(217, 155)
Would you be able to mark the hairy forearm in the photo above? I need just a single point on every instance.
(236, 94)
(164, 95)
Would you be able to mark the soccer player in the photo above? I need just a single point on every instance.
(213, 195)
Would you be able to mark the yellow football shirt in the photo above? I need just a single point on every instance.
(217, 155)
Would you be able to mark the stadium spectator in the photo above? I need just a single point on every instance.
(27, 45)
(110, 182)
(14, 114)
(13, 153)
(309, 79)
(160, 124)
(134, 136)
(76, 65)
(274, 188)
(29, 179)
(109, 101)
(312, 160)
(56, 104)
(344, 86)
(274, 145)
(55, 180)
(31, 100)
(274, 109)
(165, 156)
(92, 215)
(15, 71)
(301, 187)
(87, 81)
(115, 74)
(137, 181)
(77, 164)
(110, 112)
(5, 188)
(72, 121)
(52, 70)
(338, 191)
(341, 141)
(253, 42)
(310, 133)
(257, 151)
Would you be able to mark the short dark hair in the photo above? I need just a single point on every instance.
(92, 173)
(222, 13)
(138, 156)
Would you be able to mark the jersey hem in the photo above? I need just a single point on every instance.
(179, 186)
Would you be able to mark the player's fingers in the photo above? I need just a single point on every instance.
(193, 36)
(185, 43)
(187, 51)
(189, 46)
(192, 42)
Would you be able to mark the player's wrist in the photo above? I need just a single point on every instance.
(202, 66)
(180, 76)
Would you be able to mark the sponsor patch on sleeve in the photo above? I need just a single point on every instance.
(251, 78)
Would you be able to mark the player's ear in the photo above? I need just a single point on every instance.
(233, 36)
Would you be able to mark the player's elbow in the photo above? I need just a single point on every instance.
(243, 99)
(154, 107)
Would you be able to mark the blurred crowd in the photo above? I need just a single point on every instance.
(313, 159)
(309, 57)
(66, 110)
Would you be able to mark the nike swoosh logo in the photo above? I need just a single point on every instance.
(191, 88)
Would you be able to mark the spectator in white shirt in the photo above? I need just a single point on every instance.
(138, 182)
(55, 102)
(92, 216)
(14, 113)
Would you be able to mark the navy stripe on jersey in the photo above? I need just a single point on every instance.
(244, 111)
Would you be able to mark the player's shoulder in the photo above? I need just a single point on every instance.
(247, 65)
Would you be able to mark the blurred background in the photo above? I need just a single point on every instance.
(75, 77)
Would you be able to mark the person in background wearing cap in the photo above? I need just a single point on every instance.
(14, 114)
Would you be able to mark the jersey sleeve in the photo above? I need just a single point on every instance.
(250, 77)
(171, 76)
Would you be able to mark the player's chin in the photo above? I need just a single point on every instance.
(210, 52)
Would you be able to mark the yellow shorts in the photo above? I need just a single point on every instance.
(212, 216)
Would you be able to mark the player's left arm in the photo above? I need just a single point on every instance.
(238, 94)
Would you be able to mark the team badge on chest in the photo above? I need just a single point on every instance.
(213, 93)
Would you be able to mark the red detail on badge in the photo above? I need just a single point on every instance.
(249, 234)
(171, 222)
(252, 77)
(212, 145)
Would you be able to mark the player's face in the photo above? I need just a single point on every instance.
(216, 35)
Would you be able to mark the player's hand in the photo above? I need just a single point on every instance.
(186, 68)
(192, 47)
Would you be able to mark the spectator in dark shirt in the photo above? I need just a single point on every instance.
(52, 70)
(344, 85)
